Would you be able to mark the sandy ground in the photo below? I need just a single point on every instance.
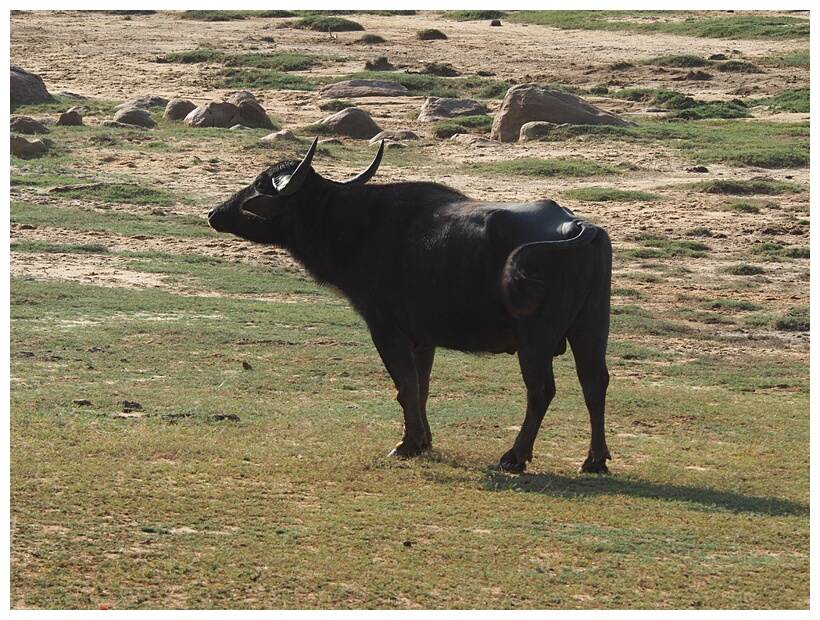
(104, 56)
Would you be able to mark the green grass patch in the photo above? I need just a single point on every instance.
(670, 22)
(430, 34)
(58, 248)
(746, 188)
(610, 194)
(212, 15)
(323, 23)
(114, 221)
(473, 15)
(259, 444)
(123, 193)
(732, 305)
(659, 247)
(286, 61)
(772, 249)
(744, 269)
(479, 124)
(534, 167)
(795, 100)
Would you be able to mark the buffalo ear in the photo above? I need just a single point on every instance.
(289, 185)
(365, 176)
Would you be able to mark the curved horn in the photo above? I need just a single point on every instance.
(291, 184)
(365, 176)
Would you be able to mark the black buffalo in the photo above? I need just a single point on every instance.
(426, 266)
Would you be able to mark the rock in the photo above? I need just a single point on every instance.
(495, 23)
(364, 88)
(178, 109)
(473, 140)
(26, 124)
(279, 136)
(443, 108)
(535, 129)
(26, 148)
(71, 118)
(250, 110)
(134, 116)
(353, 123)
(152, 101)
(214, 114)
(27, 87)
(528, 102)
(394, 135)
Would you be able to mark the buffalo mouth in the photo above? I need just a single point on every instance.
(259, 206)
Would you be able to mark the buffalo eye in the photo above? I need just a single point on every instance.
(264, 185)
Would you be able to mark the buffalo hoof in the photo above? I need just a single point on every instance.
(511, 462)
(407, 450)
(593, 467)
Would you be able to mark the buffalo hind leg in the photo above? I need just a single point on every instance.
(410, 372)
(589, 350)
(535, 359)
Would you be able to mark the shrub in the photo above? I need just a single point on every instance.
(430, 34)
(323, 23)
(744, 270)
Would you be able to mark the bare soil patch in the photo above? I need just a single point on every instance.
(107, 56)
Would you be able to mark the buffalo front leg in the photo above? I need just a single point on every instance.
(410, 371)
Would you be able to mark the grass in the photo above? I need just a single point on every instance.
(610, 194)
(534, 167)
(669, 22)
(233, 510)
(252, 473)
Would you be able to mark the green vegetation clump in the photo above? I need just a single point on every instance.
(729, 27)
(744, 269)
(430, 34)
(288, 61)
(795, 100)
(212, 16)
(371, 39)
(746, 188)
(659, 247)
(534, 167)
(474, 15)
(480, 123)
(772, 249)
(610, 194)
(323, 23)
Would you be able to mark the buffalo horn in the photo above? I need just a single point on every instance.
(364, 177)
(290, 185)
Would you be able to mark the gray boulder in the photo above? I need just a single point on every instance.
(252, 113)
(21, 147)
(134, 116)
(152, 101)
(353, 123)
(443, 108)
(214, 114)
(27, 87)
(364, 88)
(534, 130)
(393, 135)
(26, 124)
(70, 118)
(178, 109)
(529, 102)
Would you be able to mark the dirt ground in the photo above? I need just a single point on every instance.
(105, 56)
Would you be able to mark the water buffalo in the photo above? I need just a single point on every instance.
(426, 266)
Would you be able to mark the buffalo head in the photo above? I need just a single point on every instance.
(276, 191)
